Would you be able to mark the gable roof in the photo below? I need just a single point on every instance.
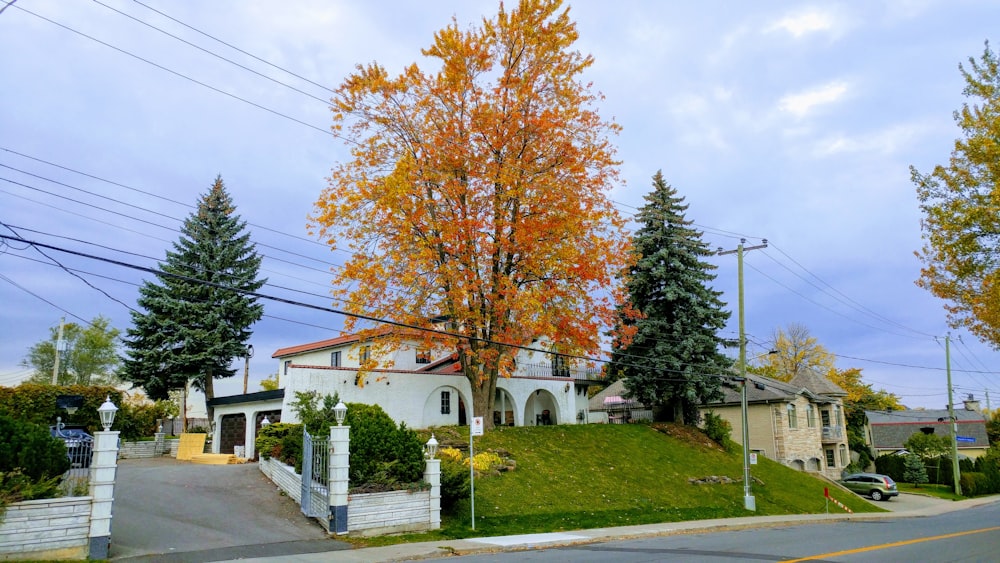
(890, 430)
(816, 382)
(313, 346)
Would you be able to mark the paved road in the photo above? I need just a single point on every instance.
(965, 535)
(167, 510)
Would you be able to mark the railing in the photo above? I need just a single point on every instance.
(833, 432)
(548, 370)
(315, 499)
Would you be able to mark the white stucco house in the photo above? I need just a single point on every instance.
(419, 386)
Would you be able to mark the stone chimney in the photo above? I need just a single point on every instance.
(971, 404)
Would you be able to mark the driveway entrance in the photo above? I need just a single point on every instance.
(175, 511)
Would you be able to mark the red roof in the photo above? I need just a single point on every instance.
(312, 346)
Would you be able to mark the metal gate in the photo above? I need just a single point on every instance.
(315, 501)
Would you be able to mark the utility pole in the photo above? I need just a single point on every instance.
(749, 502)
(956, 473)
(246, 367)
(60, 346)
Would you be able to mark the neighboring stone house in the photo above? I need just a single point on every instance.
(887, 431)
(800, 423)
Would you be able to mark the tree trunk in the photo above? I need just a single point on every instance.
(209, 395)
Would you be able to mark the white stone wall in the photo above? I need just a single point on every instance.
(46, 529)
(283, 476)
(391, 512)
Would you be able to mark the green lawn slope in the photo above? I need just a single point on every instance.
(588, 476)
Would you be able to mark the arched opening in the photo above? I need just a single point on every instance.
(541, 409)
(444, 406)
(503, 408)
(798, 464)
(813, 464)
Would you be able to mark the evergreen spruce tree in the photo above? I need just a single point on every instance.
(197, 316)
(673, 360)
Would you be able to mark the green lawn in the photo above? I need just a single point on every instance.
(587, 476)
(939, 491)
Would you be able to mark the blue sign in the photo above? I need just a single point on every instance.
(965, 439)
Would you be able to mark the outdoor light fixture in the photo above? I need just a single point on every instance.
(432, 447)
(265, 422)
(340, 411)
(107, 412)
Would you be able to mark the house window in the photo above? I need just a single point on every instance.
(560, 368)
(335, 359)
(830, 460)
(793, 421)
(423, 356)
(844, 460)
(445, 402)
(366, 353)
(837, 421)
(811, 416)
(287, 364)
(825, 415)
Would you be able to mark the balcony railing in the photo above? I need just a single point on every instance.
(548, 370)
(833, 433)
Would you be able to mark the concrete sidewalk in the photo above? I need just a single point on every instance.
(445, 548)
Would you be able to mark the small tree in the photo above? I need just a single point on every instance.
(927, 445)
(90, 356)
(914, 470)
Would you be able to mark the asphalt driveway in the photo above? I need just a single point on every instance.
(175, 511)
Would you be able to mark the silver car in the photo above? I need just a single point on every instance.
(875, 485)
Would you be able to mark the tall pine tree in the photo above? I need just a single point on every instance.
(671, 359)
(197, 316)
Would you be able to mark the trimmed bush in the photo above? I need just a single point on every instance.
(36, 403)
(380, 451)
(30, 449)
(269, 438)
(719, 430)
(455, 482)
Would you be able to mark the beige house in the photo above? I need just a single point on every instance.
(800, 423)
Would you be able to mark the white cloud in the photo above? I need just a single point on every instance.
(802, 103)
(886, 141)
(804, 23)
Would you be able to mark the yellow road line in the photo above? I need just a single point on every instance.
(893, 544)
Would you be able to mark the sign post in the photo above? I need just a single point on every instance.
(475, 430)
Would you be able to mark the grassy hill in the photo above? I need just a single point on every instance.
(589, 476)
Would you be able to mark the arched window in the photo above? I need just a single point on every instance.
(793, 421)
(844, 460)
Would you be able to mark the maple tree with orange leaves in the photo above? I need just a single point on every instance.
(478, 194)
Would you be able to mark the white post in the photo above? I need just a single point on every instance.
(340, 443)
(103, 467)
(432, 474)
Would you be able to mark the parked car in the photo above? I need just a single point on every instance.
(79, 444)
(875, 485)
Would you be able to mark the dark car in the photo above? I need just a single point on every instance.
(79, 444)
(875, 485)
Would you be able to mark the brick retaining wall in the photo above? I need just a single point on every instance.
(46, 529)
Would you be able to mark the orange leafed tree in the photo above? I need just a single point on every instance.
(477, 193)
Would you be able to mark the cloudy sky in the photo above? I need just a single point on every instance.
(791, 122)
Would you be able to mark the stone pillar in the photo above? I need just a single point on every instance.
(432, 474)
(159, 443)
(340, 442)
(103, 467)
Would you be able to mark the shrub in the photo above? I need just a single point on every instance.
(455, 482)
(136, 421)
(379, 449)
(31, 449)
(719, 430)
(974, 483)
(36, 403)
(913, 470)
(269, 438)
(891, 465)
